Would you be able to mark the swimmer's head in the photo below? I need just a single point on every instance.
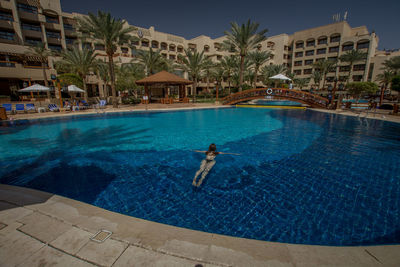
(212, 147)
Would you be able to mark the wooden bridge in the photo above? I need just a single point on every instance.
(310, 99)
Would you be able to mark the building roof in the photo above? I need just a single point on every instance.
(163, 77)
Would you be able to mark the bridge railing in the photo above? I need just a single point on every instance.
(306, 97)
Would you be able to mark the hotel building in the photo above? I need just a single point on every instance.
(24, 23)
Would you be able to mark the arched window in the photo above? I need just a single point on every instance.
(164, 46)
(322, 40)
(347, 46)
(363, 44)
(310, 42)
(154, 44)
(335, 38)
(172, 47)
(299, 44)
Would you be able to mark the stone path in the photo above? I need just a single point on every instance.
(41, 229)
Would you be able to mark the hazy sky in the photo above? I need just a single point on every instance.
(193, 18)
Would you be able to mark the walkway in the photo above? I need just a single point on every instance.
(41, 229)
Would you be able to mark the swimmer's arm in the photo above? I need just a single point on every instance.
(199, 151)
(228, 153)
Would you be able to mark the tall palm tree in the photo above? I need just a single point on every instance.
(228, 64)
(392, 64)
(111, 33)
(324, 67)
(43, 54)
(317, 77)
(258, 58)
(242, 39)
(193, 63)
(208, 66)
(218, 73)
(152, 60)
(81, 62)
(385, 79)
(351, 57)
(103, 72)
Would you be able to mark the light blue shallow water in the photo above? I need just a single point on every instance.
(302, 176)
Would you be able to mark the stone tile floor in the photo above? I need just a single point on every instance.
(41, 229)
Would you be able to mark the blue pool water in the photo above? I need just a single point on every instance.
(302, 176)
(277, 103)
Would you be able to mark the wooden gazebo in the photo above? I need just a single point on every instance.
(157, 86)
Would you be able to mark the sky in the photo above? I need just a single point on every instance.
(190, 19)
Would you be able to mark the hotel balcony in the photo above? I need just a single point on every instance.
(28, 16)
(52, 26)
(4, 24)
(6, 5)
(52, 40)
(19, 71)
(30, 33)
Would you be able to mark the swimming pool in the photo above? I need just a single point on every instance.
(302, 176)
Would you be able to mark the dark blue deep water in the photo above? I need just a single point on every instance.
(302, 176)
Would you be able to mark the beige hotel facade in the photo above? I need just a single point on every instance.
(24, 23)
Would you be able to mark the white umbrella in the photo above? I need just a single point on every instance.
(75, 89)
(280, 77)
(35, 88)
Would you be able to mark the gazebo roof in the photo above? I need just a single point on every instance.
(163, 77)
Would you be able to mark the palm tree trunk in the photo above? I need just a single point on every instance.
(46, 83)
(85, 88)
(255, 77)
(241, 72)
(208, 82)
(194, 89)
(351, 67)
(112, 76)
(383, 88)
(323, 81)
(229, 84)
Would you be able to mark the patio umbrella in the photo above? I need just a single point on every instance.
(74, 89)
(35, 88)
(279, 77)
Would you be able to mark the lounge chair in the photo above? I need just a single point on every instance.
(19, 107)
(8, 108)
(85, 104)
(102, 104)
(30, 107)
(53, 107)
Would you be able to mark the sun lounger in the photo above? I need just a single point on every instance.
(30, 107)
(19, 107)
(53, 107)
(8, 108)
(102, 104)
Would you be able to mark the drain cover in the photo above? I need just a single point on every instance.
(101, 236)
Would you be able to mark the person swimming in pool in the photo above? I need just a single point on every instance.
(207, 163)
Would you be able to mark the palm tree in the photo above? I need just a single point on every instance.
(80, 62)
(317, 77)
(228, 64)
(272, 70)
(104, 74)
(127, 75)
(301, 82)
(218, 74)
(42, 53)
(258, 58)
(208, 66)
(351, 57)
(193, 63)
(385, 78)
(324, 66)
(393, 64)
(152, 60)
(242, 39)
(109, 32)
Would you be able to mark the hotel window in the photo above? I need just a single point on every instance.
(56, 48)
(334, 49)
(297, 72)
(6, 16)
(357, 78)
(68, 27)
(33, 41)
(172, 48)
(145, 43)
(307, 71)
(51, 19)
(330, 79)
(206, 48)
(51, 34)
(154, 44)
(344, 68)
(31, 27)
(298, 54)
(300, 44)
(310, 53)
(219, 57)
(298, 63)
(319, 59)
(6, 35)
(359, 67)
(362, 45)
(99, 47)
(285, 56)
(124, 50)
(308, 62)
(285, 47)
(335, 38)
(27, 8)
(164, 55)
(321, 51)
(323, 41)
(311, 43)
(70, 40)
(164, 46)
(135, 42)
(347, 47)
(87, 46)
(180, 49)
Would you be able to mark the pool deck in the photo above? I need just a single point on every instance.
(42, 229)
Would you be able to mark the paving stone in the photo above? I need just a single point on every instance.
(48, 256)
(10, 228)
(104, 254)
(43, 227)
(386, 255)
(72, 240)
(2, 225)
(15, 247)
(13, 213)
(330, 256)
(136, 256)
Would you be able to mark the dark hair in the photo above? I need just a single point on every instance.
(212, 147)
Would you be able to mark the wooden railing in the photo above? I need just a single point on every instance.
(277, 93)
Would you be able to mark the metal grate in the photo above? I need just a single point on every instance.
(101, 236)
